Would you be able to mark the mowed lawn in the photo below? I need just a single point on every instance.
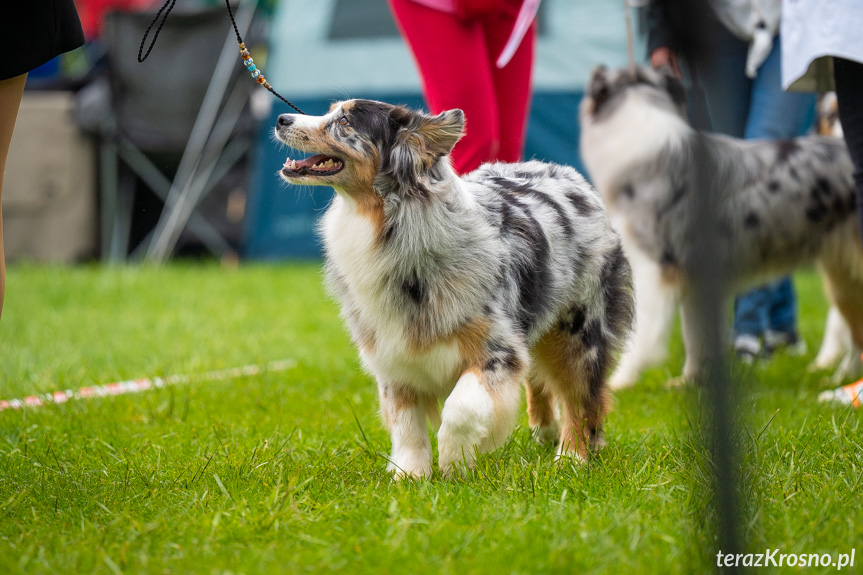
(285, 472)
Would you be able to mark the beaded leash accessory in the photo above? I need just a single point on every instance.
(248, 62)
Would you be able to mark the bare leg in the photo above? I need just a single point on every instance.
(10, 99)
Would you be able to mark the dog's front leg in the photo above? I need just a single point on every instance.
(477, 416)
(655, 306)
(700, 344)
(404, 413)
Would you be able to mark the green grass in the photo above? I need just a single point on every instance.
(284, 472)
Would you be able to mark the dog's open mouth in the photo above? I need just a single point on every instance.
(317, 165)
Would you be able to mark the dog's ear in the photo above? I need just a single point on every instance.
(440, 133)
(598, 88)
(420, 141)
(598, 79)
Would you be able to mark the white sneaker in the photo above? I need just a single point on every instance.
(789, 341)
(850, 394)
(747, 347)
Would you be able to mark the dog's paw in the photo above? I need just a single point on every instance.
(679, 381)
(597, 442)
(567, 454)
(457, 450)
(457, 467)
(415, 463)
(622, 379)
(400, 474)
(545, 434)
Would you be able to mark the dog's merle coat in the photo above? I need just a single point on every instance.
(465, 288)
(781, 204)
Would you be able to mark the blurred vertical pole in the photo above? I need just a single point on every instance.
(693, 29)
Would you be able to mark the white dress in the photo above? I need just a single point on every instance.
(813, 31)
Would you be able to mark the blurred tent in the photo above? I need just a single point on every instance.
(327, 50)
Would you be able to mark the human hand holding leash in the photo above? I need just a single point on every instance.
(664, 57)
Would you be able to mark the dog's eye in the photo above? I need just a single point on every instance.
(343, 121)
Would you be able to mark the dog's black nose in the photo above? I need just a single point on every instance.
(284, 121)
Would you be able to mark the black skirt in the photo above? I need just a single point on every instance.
(33, 32)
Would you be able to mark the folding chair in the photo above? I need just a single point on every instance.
(184, 100)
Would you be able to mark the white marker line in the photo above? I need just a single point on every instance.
(139, 385)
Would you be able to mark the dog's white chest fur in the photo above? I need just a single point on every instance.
(350, 239)
(433, 371)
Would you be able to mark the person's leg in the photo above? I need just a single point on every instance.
(10, 99)
(750, 321)
(849, 93)
(782, 319)
(512, 85)
(774, 113)
(783, 306)
(725, 86)
(454, 65)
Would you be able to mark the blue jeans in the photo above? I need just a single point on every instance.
(754, 108)
(773, 307)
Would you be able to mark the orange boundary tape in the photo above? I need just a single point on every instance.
(144, 384)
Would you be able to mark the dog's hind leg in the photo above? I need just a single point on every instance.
(850, 303)
(837, 341)
(847, 296)
(576, 371)
(481, 411)
(656, 298)
(404, 413)
(842, 273)
(540, 410)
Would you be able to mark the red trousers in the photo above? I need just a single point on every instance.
(456, 60)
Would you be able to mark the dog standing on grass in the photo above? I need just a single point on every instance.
(463, 289)
(781, 204)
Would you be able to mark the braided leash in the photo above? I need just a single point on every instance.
(256, 73)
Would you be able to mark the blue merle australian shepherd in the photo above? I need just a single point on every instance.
(780, 205)
(462, 289)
